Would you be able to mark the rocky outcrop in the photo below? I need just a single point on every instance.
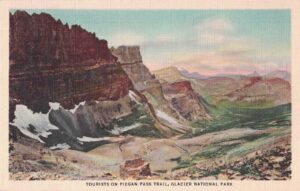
(178, 90)
(39, 41)
(131, 61)
(52, 62)
(185, 100)
(97, 119)
(135, 168)
(169, 74)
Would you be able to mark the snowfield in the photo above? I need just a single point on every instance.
(162, 115)
(133, 97)
(120, 130)
(91, 139)
(24, 117)
(61, 146)
(76, 107)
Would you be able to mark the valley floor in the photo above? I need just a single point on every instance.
(237, 153)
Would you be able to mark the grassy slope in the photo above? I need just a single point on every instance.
(228, 116)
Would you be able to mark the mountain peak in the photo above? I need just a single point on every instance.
(169, 74)
(254, 74)
(194, 75)
(279, 74)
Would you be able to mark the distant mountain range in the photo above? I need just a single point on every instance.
(279, 74)
(245, 90)
(195, 75)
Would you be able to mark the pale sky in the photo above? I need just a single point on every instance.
(205, 41)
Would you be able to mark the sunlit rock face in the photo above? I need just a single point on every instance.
(185, 100)
(131, 61)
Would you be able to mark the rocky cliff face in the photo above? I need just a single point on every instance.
(185, 100)
(178, 99)
(40, 41)
(180, 93)
(52, 62)
(131, 61)
(169, 74)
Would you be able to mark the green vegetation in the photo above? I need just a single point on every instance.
(137, 112)
(226, 117)
(246, 168)
(247, 105)
(212, 152)
(139, 115)
(247, 138)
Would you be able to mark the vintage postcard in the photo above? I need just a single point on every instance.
(118, 95)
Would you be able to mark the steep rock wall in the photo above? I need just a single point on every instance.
(52, 62)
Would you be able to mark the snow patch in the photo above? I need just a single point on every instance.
(26, 132)
(142, 117)
(76, 106)
(60, 146)
(54, 105)
(40, 121)
(164, 116)
(91, 139)
(25, 117)
(120, 130)
(133, 97)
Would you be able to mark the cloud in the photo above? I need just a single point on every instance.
(211, 47)
(132, 38)
(165, 38)
(213, 62)
(216, 24)
(211, 38)
(218, 32)
(214, 31)
(161, 40)
(126, 38)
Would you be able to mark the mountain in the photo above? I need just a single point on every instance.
(193, 75)
(185, 100)
(132, 63)
(52, 62)
(67, 88)
(169, 74)
(279, 74)
(245, 91)
(68, 92)
(166, 97)
(253, 74)
(275, 91)
(130, 59)
(180, 93)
